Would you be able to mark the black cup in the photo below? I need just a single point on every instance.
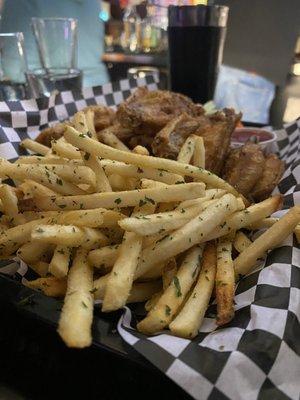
(196, 37)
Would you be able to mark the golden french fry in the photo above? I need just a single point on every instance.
(64, 149)
(195, 231)
(267, 241)
(31, 189)
(225, 282)
(59, 264)
(122, 199)
(49, 285)
(39, 174)
(101, 150)
(105, 257)
(48, 160)
(90, 118)
(241, 242)
(168, 272)
(77, 313)
(109, 138)
(199, 153)
(125, 170)
(102, 183)
(34, 146)
(9, 200)
(248, 216)
(140, 292)
(14, 237)
(167, 306)
(163, 222)
(41, 268)
(121, 277)
(141, 150)
(32, 252)
(187, 150)
(189, 319)
(68, 235)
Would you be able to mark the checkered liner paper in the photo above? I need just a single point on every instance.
(256, 356)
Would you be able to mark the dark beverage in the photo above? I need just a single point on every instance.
(195, 57)
(196, 37)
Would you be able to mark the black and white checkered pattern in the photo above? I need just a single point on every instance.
(256, 356)
(22, 119)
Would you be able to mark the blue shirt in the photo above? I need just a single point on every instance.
(16, 17)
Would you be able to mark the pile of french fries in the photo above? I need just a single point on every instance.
(97, 221)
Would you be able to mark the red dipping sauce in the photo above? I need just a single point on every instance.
(241, 135)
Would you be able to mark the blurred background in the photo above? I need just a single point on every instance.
(117, 39)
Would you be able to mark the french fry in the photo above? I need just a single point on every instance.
(268, 222)
(167, 306)
(41, 268)
(48, 160)
(105, 257)
(117, 182)
(121, 199)
(187, 150)
(102, 183)
(77, 313)
(141, 150)
(199, 153)
(49, 285)
(121, 277)
(108, 137)
(162, 222)
(32, 252)
(126, 170)
(14, 237)
(68, 235)
(39, 174)
(64, 149)
(246, 217)
(143, 291)
(267, 241)
(31, 189)
(90, 117)
(189, 319)
(102, 150)
(97, 217)
(225, 282)
(241, 242)
(195, 231)
(34, 146)
(59, 264)
(140, 292)
(75, 174)
(9, 201)
(168, 273)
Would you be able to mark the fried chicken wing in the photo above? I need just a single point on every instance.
(169, 140)
(273, 171)
(216, 130)
(244, 167)
(149, 111)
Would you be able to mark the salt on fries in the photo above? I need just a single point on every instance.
(97, 221)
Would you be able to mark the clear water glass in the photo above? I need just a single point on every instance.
(13, 66)
(57, 44)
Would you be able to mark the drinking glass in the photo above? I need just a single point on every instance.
(56, 40)
(196, 36)
(13, 66)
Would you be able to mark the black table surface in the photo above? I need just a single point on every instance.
(35, 363)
